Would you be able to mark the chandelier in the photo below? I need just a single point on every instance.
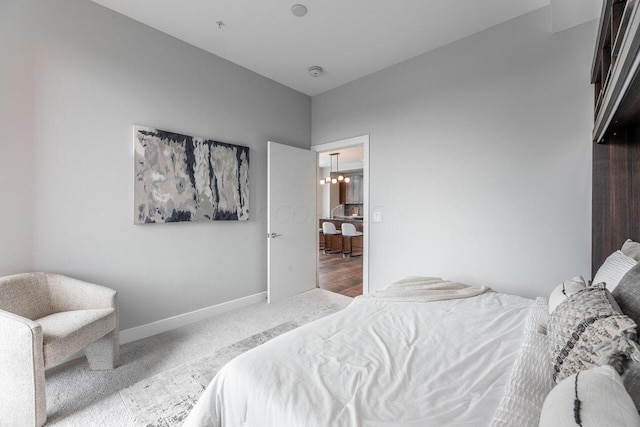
(332, 178)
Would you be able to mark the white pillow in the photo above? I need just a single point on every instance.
(563, 290)
(613, 268)
(631, 249)
(604, 402)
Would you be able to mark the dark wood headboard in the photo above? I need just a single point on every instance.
(616, 133)
(616, 194)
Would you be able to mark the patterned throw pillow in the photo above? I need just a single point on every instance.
(631, 381)
(627, 293)
(586, 331)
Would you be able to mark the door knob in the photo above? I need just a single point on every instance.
(274, 235)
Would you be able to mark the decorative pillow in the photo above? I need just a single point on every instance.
(613, 268)
(627, 293)
(586, 331)
(603, 399)
(631, 380)
(563, 290)
(631, 249)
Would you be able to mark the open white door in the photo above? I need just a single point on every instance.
(292, 226)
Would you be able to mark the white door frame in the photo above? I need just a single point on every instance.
(345, 143)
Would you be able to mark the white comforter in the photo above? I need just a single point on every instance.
(441, 363)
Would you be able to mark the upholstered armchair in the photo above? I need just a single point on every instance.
(44, 319)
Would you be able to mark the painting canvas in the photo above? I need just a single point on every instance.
(184, 178)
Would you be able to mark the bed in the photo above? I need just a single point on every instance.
(448, 362)
(429, 352)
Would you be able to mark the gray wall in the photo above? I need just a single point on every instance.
(16, 119)
(84, 78)
(480, 157)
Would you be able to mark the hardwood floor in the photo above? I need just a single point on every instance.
(341, 275)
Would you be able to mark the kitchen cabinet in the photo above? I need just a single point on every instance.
(352, 192)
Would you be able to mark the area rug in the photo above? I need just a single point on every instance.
(165, 399)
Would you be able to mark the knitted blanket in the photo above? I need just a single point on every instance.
(423, 289)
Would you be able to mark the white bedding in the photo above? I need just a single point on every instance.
(441, 363)
(531, 376)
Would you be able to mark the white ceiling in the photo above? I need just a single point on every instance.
(348, 38)
(349, 159)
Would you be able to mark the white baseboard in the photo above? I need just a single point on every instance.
(173, 322)
(164, 325)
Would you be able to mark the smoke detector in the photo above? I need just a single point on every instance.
(299, 10)
(315, 71)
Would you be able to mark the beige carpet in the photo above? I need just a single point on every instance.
(77, 396)
(166, 399)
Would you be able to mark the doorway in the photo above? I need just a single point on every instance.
(343, 198)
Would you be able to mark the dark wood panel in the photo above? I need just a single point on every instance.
(616, 160)
(616, 193)
(354, 246)
(628, 111)
(332, 242)
(617, 9)
(604, 31)
(617, 99)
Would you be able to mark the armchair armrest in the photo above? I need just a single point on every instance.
(68, 294)
(14, 327)
(22, 396)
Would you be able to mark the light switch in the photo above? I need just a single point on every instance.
(377, 216)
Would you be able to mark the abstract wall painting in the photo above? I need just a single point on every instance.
(184, 178)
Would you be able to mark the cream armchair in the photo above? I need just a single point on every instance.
(44, 319)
